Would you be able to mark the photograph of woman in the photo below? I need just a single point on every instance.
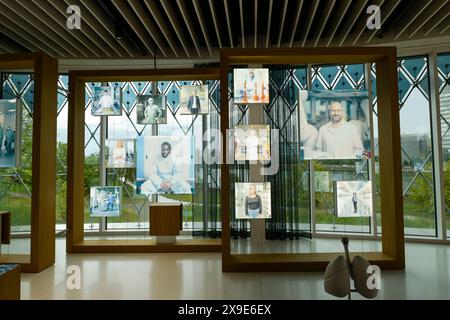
(253, 204)
(119, 153)
(253, 200)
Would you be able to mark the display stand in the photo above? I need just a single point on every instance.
(165, 221)
(392, 255)
(9, 282)
(76, 242)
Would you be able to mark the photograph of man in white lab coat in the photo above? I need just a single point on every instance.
(334, 125)
(165, 165)
(106, 101)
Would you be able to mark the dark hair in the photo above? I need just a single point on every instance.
(165, 143)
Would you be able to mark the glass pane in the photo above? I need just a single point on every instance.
(444, 89)
(15, 181)
(416, 144)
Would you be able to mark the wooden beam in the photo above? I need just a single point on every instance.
(30, 41)
(43, 201)
(216, 24)
(201, 19)
(227, 14)
(298, 11)
(325, 15)
(148, 24)
(269, 20)
(24, 27)
(160, 21)
(361, 25)
(92, 36)
(121, 6)
(311, 14)
(50, 13)
(437, 19)
(23, 10)
(188, 21)
(10, 46)
(337, 20)
(355, 11)
(386, 10)
(241, 14)
(176, 26)
(444, 26)
(409, 17)
(427, 15)
(255, 26)
(18, 38)
(283, 18)
(93, 22)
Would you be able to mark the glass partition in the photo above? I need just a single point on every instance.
(16, 174)
(444, 94)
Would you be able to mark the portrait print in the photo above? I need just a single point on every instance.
(105, 201)
(106, 101)
(120, 153)
(8, 138)
(194, 100)
(251, 86)
(165, 165)
(353, 198)
(334, 125)
(151, 109)
(252, 142)
(252, 200)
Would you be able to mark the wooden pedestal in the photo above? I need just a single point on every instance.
(165, 221)
(9, 282)
(5, 227)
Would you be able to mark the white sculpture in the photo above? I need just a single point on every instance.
(340, 270)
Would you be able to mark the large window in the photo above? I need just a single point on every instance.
(338, 78)
(201, 213)
(444, 92)
(416, 147)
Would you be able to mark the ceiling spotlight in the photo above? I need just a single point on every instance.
(118, 33)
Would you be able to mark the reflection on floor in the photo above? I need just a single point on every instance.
(301, 245)
(199, 276)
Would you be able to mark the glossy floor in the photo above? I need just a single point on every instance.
(199, 276)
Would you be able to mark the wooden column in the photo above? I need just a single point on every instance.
(75, 163)
(390, 159)
(43, 202)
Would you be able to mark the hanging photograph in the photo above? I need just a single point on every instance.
(252, 200)
(119, 153)
(151, 109)
(9, 139)
(105, 201)
(334, 125)
(353, 198)
(194, 100)
(165, 165)
(321, 182)
(106, 101)
(251, 86)
(252, 142)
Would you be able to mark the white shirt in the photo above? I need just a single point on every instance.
(152, 113)
(251, 144)
(106, 101)
(342, 142)
(163, 169)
